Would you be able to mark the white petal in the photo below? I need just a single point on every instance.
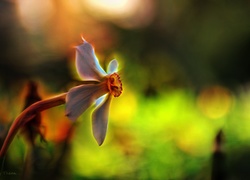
(100, 120)
(80, 98)
(113, 66)
(100, 100)
(87, 64)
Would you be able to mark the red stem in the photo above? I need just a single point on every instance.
(27, 115)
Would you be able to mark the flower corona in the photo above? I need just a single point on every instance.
(114, 85)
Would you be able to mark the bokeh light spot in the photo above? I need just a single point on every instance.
(126, 13)
(34, 14)
(215, 102)
(123, 108)
(195, 140)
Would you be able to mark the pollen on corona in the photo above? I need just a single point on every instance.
(114, 84)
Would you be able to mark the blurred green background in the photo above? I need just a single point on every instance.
(185, 72)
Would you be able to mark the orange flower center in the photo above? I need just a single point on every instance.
(114, 84)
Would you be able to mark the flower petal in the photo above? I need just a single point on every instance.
(81, 97)
(100, 100)
(100, 120)
(87, 64)
(113, 66)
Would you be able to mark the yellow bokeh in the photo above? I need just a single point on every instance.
(122, 109)
(195, 139)
(215, 102)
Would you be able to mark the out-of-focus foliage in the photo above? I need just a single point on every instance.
(185, 74)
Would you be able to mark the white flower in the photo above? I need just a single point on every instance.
(103, 83)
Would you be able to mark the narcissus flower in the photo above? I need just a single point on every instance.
(100, 88)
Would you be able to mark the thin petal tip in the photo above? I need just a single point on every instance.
(113, 66)
(99, 141)
(84, 40)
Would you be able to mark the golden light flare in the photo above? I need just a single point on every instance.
(126, 13)
(215, 102)
(118, 7)
(34, 14)
(124, 108)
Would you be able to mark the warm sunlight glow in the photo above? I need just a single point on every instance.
(215, 102)
(126, 13)
(123, 108)
(116, 7)
(34, 14)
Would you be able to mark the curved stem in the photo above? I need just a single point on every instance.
(27, 115)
